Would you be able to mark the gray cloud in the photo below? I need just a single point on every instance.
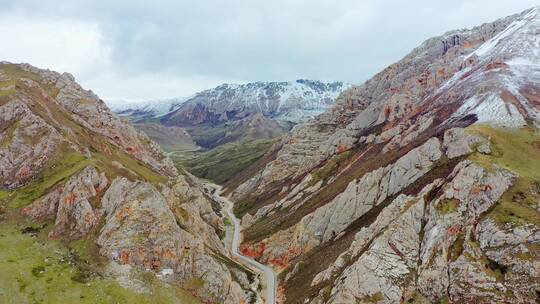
(161, 48)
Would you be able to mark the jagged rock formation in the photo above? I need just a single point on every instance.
(64, 156)
(75, 216)
(144, 229)
(411, 188)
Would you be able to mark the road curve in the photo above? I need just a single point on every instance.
(269, 275)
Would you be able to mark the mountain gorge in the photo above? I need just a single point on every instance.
(93, 211)
(419, 186)
(229, 118)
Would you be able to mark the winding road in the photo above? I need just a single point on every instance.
(269, 275)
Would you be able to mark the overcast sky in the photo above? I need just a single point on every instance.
(136, 50)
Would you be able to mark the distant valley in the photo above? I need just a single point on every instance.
(217, 133)
(420, 185)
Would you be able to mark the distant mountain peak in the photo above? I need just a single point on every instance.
(294, 101)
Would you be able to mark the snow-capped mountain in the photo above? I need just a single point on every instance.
(293, 102)
(145, 109)
(212, 117)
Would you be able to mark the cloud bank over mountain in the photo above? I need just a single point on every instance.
(137, 50)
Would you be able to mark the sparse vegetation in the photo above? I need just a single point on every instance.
(457, 248)
(375, 298)
(208, 135)
(447, 206)
(220, 233)
(223, 162)
(519, 152)
(36, 269)
(60, 170)
(330, 167)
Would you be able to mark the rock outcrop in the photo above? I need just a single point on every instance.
(60, 148)
(75, 216)
(142, 230)
(411, 189)
(22, 158)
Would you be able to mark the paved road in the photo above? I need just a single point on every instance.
(269, 275)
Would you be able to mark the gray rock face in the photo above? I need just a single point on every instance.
(450, 221)
(386, 268)
(417, 246)
(514, 249)
(142, 231)
(75, 216)
(193, 211)
(45, 207)
(50, 128)
(358, 198)
(26, 146)
(458, 143)
(373, 189)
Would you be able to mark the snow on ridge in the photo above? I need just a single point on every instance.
(294, 101)
(521, 32)
(290, 101)
(492, 110)
(153, 107)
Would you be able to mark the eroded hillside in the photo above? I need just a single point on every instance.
(91, 209)
(421, 185)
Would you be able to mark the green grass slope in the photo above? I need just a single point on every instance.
(35, 269)
(223, 162)
(519, 152)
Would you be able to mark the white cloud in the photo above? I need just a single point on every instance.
(133, 49)
(66, 46)
(148, 86)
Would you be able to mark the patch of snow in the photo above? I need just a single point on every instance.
(523, 29)
(492, 110)
(489, 45)
(152, 107)
(294, 101)
(454, 79)
(522, 61)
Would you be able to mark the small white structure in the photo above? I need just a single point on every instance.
(167, 272)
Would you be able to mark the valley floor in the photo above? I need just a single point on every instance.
(234, 237)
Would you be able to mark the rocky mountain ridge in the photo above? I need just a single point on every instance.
(292, 102)
(411, 188)
(137, 110)
(70, 166)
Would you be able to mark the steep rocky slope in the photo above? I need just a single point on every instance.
(420, 185)
(72, 171)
